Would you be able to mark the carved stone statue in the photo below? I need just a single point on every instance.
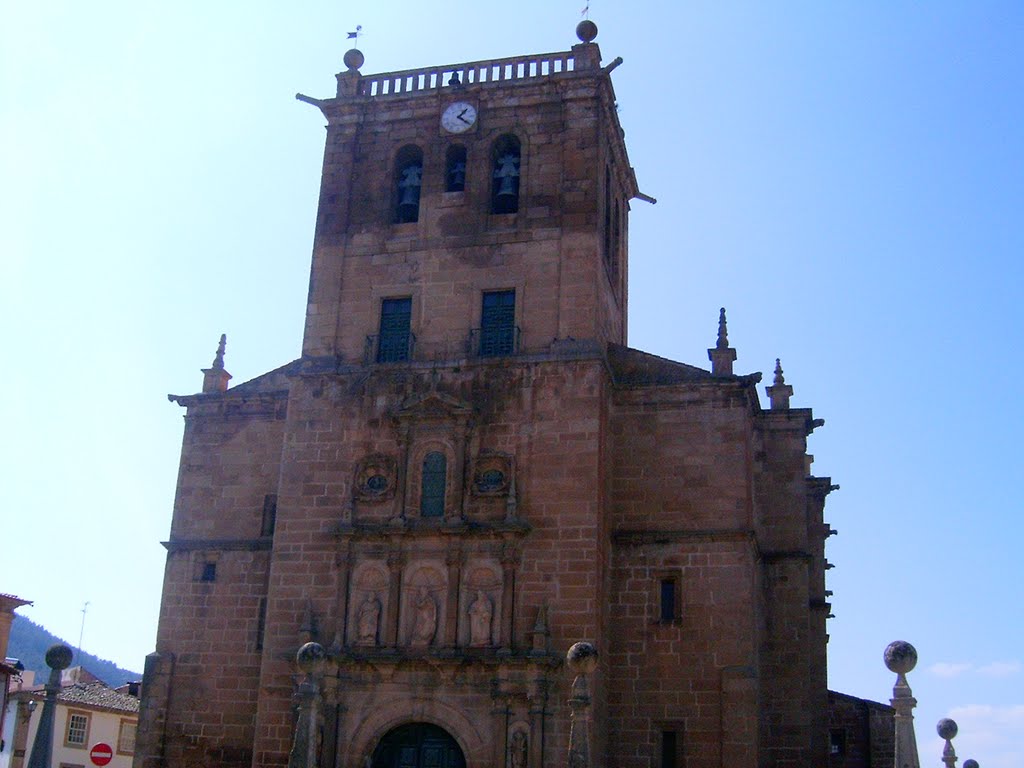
(425, 625)
(480, 613)
(517, 750)
(368, 621)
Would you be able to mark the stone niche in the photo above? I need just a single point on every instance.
(424, 598)
(368, 604)
(480, 604)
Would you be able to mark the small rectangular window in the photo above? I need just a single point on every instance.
(261, 623)
(837, 742)
(77, 734)
(498, 324)
(209, 572)
(395, 322)
(126, 737)
(433, 484)
(669, 749)
(269, 514)
(669, 600)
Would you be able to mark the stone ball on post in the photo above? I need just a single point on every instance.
(59, 656)
(971, 764)
(311, 658)
(586, 31)
(946, 728)
(582, 658)
(900, 657)
(354, 59)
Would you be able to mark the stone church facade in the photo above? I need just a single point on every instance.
(467, 471)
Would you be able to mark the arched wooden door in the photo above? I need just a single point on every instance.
(418, 745)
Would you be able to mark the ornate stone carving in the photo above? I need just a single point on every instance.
(481, 580)
(492, 474)
(367, 603)
(423, 615)
(518, 753)
(481, 611)
(376, 478)
(368, 621)
(425, 622)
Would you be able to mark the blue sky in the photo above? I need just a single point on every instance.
(846, 178)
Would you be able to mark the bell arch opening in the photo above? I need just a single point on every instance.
(418, 745)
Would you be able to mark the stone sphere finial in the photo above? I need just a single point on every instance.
(59, 656)
(971, 764)
(582, 658)
(900, 657)
(586, 31)
(946, 728)
(311, 657)
(354, 59)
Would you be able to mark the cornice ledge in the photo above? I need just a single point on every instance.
(263, 543)
(636, 536)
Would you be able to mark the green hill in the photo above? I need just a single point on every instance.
(29, 642)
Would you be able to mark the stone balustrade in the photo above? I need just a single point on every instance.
(473, 73)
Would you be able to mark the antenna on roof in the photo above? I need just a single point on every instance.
(81, 631)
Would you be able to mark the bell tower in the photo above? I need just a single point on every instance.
(471, 210)
(468, 472)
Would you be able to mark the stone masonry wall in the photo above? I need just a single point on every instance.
(546, 415)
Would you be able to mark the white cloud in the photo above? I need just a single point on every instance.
(1000, 669)
(992, 669)
(949, 669)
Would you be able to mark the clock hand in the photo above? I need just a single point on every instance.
(463, 119)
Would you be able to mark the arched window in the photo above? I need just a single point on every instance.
(432, 484)
(407, 183)
(455, 169)
(505, 176)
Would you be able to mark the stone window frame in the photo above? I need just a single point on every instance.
(126, 721)
(498, 329)
(661, 758)
(201, 561)
(845, 742)
(415, 478)
(83, 715)
(394, 353)
(662, 576)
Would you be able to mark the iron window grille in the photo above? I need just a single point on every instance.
(497, 334)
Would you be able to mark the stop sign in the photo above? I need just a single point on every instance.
(101, 754)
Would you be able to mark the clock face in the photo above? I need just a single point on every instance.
(458, 117)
